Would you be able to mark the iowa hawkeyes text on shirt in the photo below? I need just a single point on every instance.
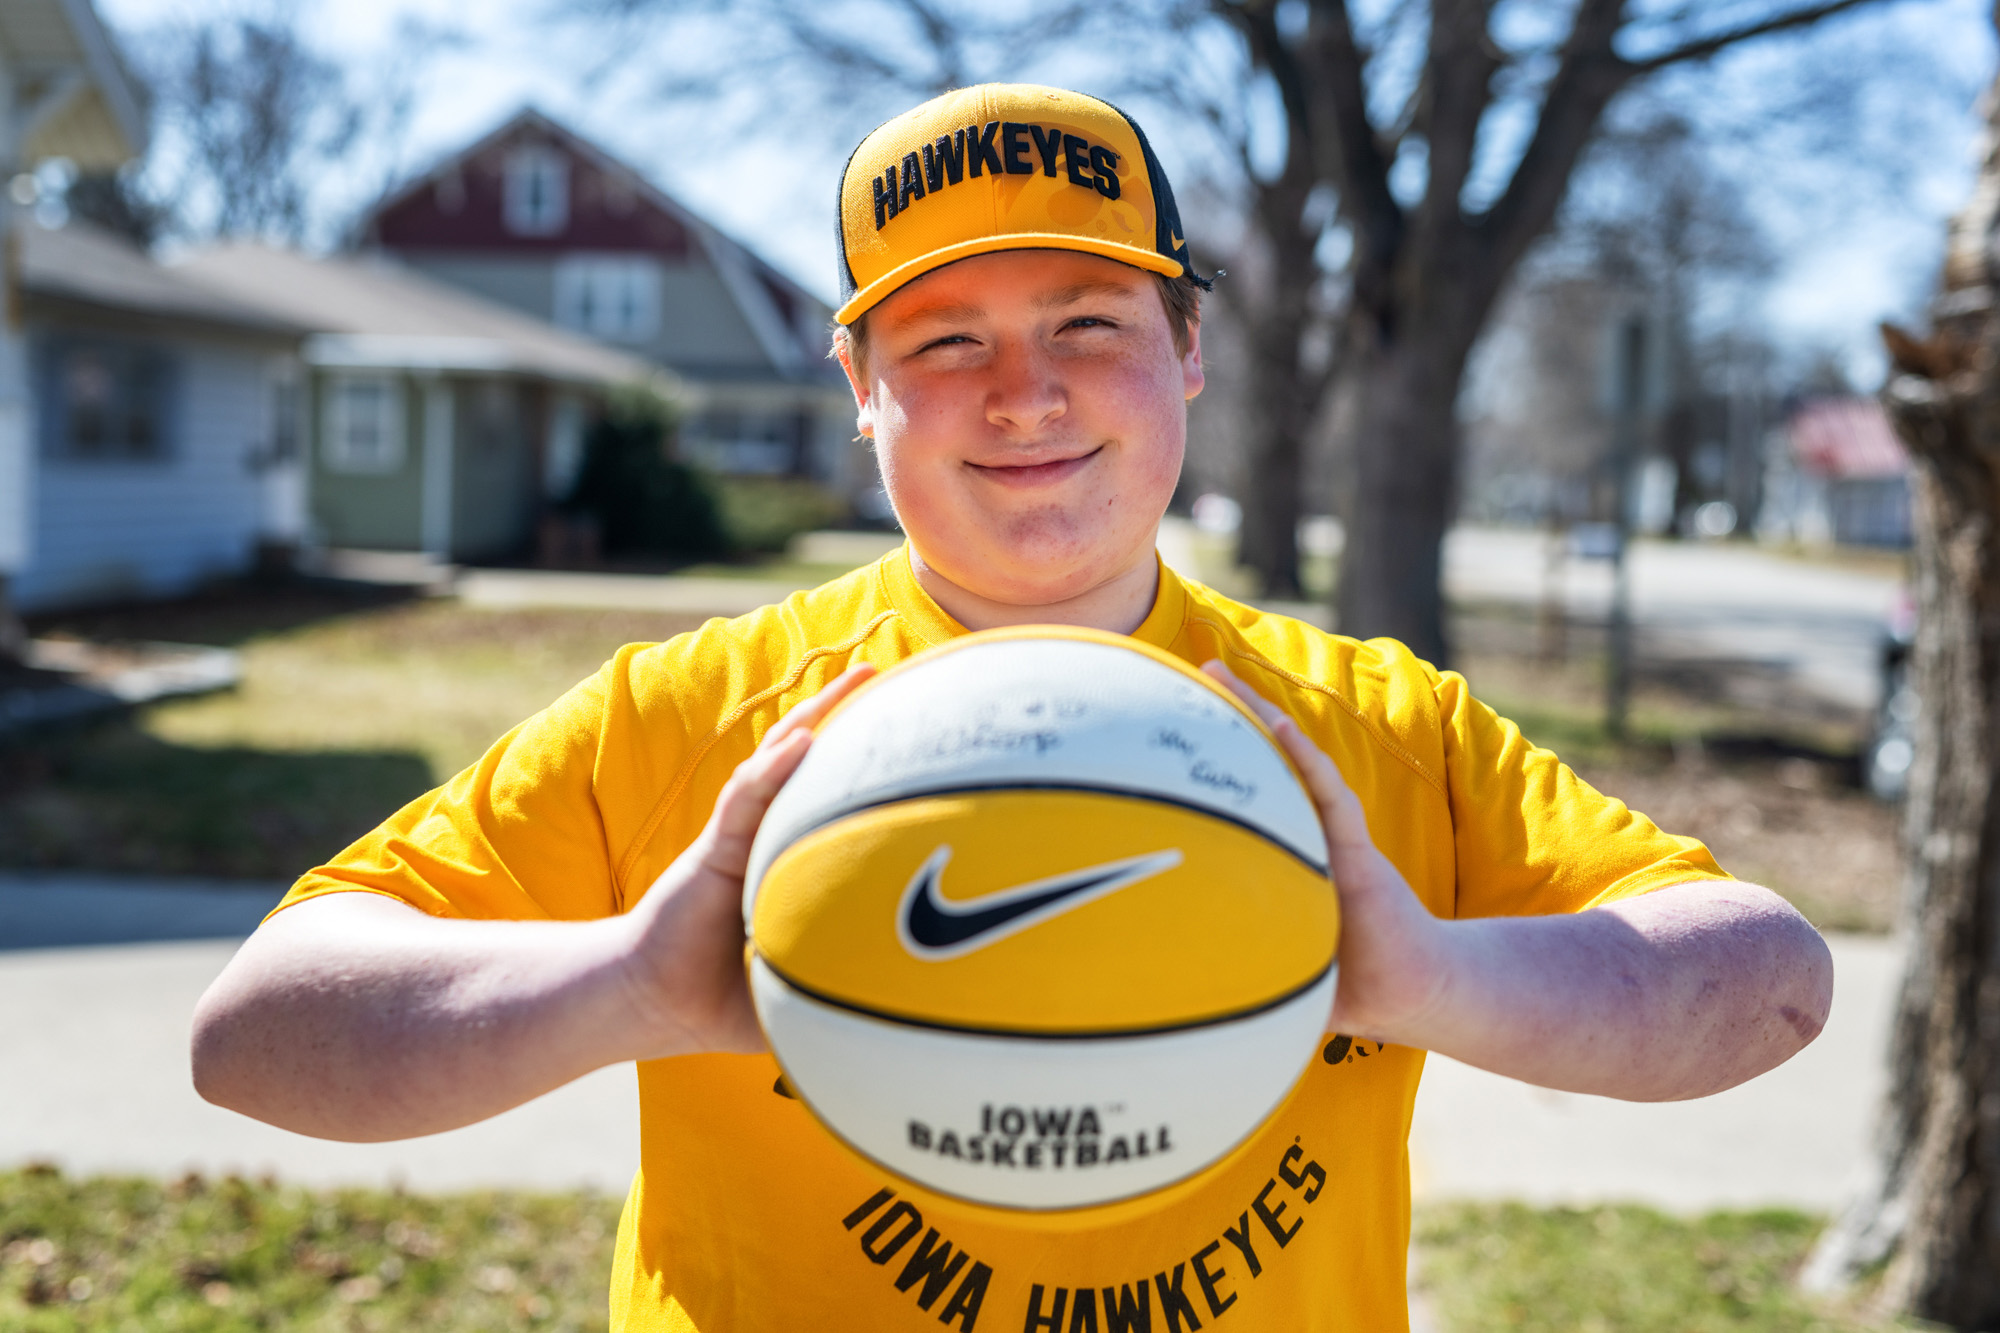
(1206, 1284)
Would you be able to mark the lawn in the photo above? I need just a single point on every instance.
(1620, 1270)
(1767, 779)
(225, 1255)
(349, 707)
(232, 1254)
(354, 702)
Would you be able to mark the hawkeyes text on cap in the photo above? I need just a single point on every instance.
(1001, 166)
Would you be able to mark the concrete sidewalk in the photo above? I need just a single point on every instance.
(99, 976)
(94, 1073)
(1798, 1136)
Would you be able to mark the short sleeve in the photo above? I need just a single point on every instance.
(1530, 837)
(516, 836)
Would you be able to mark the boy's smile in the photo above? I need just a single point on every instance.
(1029, 412)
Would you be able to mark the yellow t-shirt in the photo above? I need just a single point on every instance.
(746, 1216)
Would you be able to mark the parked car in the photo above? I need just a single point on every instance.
(1891, 748)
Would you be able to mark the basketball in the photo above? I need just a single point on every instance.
(1042, 921)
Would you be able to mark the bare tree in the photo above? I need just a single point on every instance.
(1393, 137)
(1434, 247)
(1933, 1214)
(261, 131)
(826, 71)
(1282, 298)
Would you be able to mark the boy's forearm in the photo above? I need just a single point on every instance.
(1678, 993)
(355, 1017)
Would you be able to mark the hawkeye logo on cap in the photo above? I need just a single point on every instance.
(934, 929)
(996, 148)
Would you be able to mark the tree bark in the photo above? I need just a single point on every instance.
(13, 634)
(1282, 402)
(1405, 488)
(1933, 1212)
(1285, 394)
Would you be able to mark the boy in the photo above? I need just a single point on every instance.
(1021, 332)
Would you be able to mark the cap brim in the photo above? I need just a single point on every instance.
(1138, 256)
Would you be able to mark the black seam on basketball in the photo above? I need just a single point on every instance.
(1029, 1034)
(1088, 789)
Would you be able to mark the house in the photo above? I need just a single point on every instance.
(161, 450)
(1839, 474)
(66, 94)
(438, 422)
(538, 218)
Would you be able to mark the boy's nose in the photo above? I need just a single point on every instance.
(1025, 394)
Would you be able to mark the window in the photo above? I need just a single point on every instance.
(537, 192)
(106, 400)
(614, 297)
(284, 383)
(562, 455)
(727, 439)
(363, 424)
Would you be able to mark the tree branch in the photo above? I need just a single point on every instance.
(1458, 74)
(1589, 75)
(1708, 46)
(1349, 152)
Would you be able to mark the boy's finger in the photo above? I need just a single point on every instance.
(1339, 808)
(746, 797)
(1267, 712)
(814, 710)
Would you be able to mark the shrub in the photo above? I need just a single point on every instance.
(762, 514)
(644, 500)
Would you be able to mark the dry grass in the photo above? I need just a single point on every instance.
(353, 703)
(1766, 778)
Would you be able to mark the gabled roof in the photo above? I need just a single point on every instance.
(82, 265)
(81, 103)
(1847, 439)
(769, 299)
(372, 312)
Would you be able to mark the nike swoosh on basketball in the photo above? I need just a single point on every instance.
(932, 928)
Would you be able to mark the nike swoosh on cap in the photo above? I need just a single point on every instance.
(932, 928)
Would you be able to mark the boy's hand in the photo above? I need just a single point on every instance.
(685, 963)
(1392, 950)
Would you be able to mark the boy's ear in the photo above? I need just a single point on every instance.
(1192, 377)
(864, 412)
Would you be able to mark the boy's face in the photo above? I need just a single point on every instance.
(1029, 412)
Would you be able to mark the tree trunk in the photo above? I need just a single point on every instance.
(1933, 1212)
(13, 634)
(1278, 417)
(1284, 394)
(1405, 486)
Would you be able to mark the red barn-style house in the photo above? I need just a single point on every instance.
(536, 217)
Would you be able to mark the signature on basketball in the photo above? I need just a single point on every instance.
(1222, 780)
(995, 736)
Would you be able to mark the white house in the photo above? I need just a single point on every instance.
(163, 449)
(63, 93)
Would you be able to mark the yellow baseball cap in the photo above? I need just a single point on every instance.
(1001, 166)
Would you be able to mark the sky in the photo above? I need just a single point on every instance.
(1854, 250)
